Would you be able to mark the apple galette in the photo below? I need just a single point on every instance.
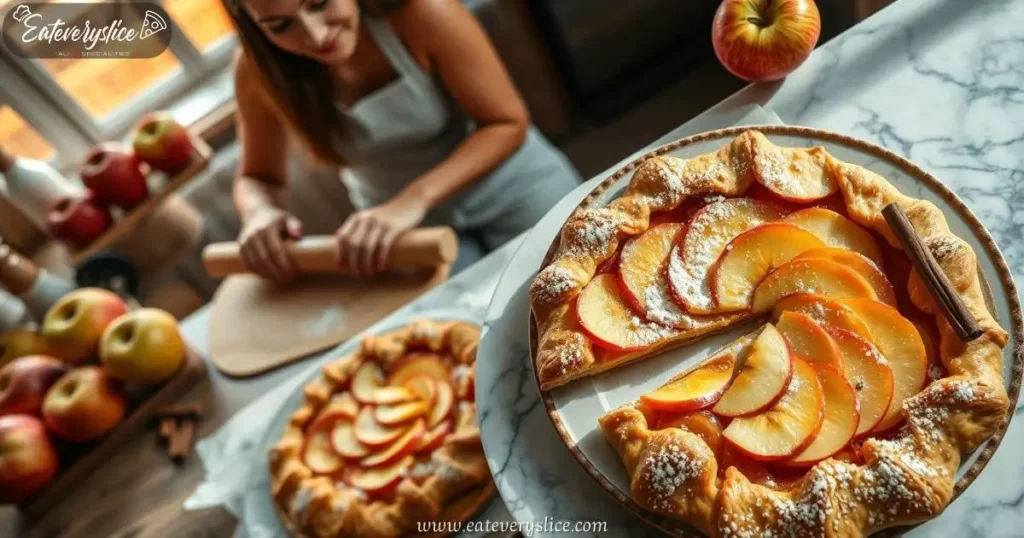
(847, 412)
(386, 438)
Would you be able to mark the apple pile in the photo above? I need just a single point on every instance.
(114, 176)
(834, 365)
(374, 430)
(53, 391)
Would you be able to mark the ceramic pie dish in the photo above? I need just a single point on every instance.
(387, 437)
(854, 406)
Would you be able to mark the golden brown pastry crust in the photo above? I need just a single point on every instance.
(315, 506)
(901, 481)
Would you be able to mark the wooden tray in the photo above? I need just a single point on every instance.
(80, 460)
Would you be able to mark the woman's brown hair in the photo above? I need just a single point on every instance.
(300, 88)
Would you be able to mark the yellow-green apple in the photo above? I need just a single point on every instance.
(143, 347)
(24, 382)
(74, 325)
(16, 343)
(162, 142)
(112, 173)
(83, 404)
(28, 461)
(759, 40)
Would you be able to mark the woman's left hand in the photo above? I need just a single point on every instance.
(366, 237)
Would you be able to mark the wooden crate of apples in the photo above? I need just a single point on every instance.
(65, 387)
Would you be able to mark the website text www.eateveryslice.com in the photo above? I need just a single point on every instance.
(526, 528)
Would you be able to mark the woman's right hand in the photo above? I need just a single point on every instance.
(262, 240)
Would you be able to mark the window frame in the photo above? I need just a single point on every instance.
(51, 111)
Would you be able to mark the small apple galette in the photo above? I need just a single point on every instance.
(847, 413)
(386, 438)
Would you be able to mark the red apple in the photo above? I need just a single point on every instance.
(760, 40)
(78, 221)
(16, 343)
(28, 461)
(163, 143)
(84, 404)
(112, 172)
(74, 325)
(143, 347)
(24, 382)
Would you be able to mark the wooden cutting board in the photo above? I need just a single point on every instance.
(256, 325)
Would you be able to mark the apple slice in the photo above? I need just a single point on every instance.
(899, 342)
(393, 395)
(836, 230)
(807, 339)
(426, 364)
(390, 415)
(762, 379)
(697, 389)
(434, 438)
(813, 275)
(402, 446)
(339, 407)
(443, 404)
(861, 265)
(372, 433)
(610, 322)
(701, 423)
(318, 454)
(869, 375)
(642, 276)
(423, 386)
(712, 228)
(345, 443)
(751, 257)
(787, 427)
(379, 481)
(840, 419)
(825, 311)
(365, 382)
(794, 174)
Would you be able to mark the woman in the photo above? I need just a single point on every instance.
(414, 105)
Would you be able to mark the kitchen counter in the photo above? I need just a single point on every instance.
(940, 82)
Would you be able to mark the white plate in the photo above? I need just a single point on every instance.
(575, 408)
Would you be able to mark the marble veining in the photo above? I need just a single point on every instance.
(940, 82)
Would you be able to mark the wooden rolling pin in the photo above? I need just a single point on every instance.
(422, 247)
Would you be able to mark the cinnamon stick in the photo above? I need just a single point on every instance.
(181, 440)
(953, 307)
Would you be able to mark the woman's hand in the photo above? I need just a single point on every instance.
(262, 240)
(366, 237)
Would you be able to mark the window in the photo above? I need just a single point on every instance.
(19, 138)
(56, 108)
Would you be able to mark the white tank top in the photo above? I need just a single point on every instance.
(400, 131)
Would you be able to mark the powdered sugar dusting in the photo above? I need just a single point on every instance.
(709, 234)
(553, 283)
(667, 470)
(943, 246)
(570, 356)
(591, 231)
(645, 333)
(661, 309)
(960, 391)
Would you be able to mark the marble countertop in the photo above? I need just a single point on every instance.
(938, 81)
